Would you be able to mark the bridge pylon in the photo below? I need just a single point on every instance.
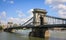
(39, 17)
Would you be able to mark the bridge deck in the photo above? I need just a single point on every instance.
(41, 26)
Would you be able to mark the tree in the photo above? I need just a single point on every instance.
(1, 27)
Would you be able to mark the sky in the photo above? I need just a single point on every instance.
(19, 11)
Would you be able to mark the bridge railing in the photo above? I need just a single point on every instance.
(55, 20)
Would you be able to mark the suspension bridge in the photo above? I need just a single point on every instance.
(40, 22)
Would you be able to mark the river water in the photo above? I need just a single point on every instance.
(23, 35)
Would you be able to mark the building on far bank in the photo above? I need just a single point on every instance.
(9, 24)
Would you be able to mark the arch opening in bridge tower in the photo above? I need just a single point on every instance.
(41, 20)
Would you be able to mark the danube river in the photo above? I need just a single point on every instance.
(23, 35)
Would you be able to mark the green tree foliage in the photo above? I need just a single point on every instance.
(1, 28)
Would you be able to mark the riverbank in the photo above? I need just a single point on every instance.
(1, 30)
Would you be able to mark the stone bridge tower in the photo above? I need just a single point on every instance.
(38, 20)
(39, 17)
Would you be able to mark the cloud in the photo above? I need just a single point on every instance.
(9, 1)
(20, 20)
(16, 20)
(54, 1)
(48, 1)
(3, 17)
(20, 13)
(3, 22)
(12, 2)
(3, 14)
(60, 6)
(62, 13)
(57, 5)
(30, 13)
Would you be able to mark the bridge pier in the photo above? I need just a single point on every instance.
(39, 32)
